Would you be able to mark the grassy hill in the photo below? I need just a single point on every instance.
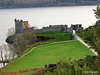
(49, 54)
(59, 36)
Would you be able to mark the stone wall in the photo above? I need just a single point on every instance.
(25, 25)
(29, 30)
(60, 28)
(77, 27)
(21, 26)
(18, 26)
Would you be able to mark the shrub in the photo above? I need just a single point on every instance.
(79, 67)
(67, 67)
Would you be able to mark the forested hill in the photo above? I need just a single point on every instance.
(44, 3)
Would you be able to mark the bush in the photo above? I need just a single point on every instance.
(68, 67)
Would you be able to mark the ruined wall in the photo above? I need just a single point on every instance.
(69, 30)
(78, 28)
(21, 26)
(25, 25)
(60, 28)
(18, 26)
(29, 30)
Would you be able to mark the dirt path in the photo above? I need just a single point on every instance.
(74, 33)
(44, 45)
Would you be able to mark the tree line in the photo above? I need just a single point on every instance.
(91, 34)
(90, 64)
(16, 45)
(44, 3)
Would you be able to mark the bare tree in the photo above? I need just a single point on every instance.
(11, 31)
(12, 51)
(21, 41)
(1, 53)
(35, 27)
(6, 52)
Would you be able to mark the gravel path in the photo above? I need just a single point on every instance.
(74, 33)
(44, 45)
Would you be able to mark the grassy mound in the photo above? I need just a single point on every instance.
(50, 54)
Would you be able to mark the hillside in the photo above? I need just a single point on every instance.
(44, 3)
(91, 35)
(50, 52)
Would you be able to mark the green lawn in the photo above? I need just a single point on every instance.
(50, 54)
(59, 36)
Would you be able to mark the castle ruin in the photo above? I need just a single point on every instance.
(61, 28)
(77, 27)
(21, 26)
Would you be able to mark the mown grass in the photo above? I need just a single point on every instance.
(50, 54)
(28, 49)
(59, 36)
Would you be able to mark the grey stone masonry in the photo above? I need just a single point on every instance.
(61, 28)
(23, 26)
(77, 27)
(18, 26)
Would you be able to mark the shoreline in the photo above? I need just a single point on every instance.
(46, 6)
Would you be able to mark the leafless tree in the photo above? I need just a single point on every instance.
(1, 53)
(11, 31)
(12, 51)
(21, 41)
(6, 53)
(35, 27)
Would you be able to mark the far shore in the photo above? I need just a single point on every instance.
(45, 6)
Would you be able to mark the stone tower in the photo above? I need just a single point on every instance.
(20, 26)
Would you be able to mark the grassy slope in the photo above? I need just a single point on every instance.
(50, 54)
(59, 36)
